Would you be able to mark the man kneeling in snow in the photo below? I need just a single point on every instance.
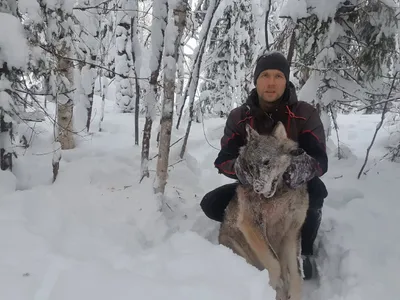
(274, 99)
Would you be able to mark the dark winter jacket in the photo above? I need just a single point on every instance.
(302, 123)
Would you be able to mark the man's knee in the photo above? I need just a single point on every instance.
(215, 202)
(315, 203)
(317, 193)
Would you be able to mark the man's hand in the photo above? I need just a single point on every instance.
(302, 169)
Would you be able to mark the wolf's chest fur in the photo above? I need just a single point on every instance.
(279, 214)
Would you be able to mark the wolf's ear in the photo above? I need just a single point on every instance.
(251, 133)
(279, 131)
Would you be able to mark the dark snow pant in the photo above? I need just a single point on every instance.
(214, 203)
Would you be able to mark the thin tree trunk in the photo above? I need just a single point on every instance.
(135, 64)
(103, 85)
(48, 89)
(203, 38)
(137, 87)
(123, 60)
(181, 81)
(65, 104)
(103, 82)
(90, 96)
(266, 24)
(291, 46)
(137, 109)
(384, 111)
(160, 12)
(191, 89)
(56, 159)
(65, 113)
(171, 57)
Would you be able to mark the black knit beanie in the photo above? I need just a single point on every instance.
(273, 60)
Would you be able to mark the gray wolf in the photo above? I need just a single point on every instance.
(263, 221)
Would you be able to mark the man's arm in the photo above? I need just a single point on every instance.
(231, 142)
(312, 141)
(313, 161)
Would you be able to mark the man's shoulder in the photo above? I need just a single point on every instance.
(237, 113)
(304, 109)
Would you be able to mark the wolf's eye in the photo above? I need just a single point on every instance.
(266, 162)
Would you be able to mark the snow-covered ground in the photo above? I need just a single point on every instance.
(97, 233)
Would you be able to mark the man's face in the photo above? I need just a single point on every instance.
(270, 85)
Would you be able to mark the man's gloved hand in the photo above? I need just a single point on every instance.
(302, 169)
(240, 172)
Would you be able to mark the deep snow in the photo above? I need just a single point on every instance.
(96, 233)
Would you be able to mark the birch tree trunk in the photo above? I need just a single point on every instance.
(123, 60)
(65, 104)
(105, 31)
(180, 83)
(89, 43)
(90, 72)
(174, 32)
(135, 63)
(159, 23)
(64, 78)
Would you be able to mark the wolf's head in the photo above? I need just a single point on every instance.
(265, 158)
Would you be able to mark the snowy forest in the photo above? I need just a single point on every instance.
(131, 96)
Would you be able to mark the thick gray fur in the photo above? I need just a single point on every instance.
(263, 221)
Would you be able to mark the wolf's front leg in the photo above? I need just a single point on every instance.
(261, 248)
(291, 274)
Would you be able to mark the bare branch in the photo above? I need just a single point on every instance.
(335, 125)
(92, 7)
(377, 127)
(380, 102)
(91, 64)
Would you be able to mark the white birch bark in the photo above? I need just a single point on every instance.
(123, 60)
(173, 36)
(159, 23)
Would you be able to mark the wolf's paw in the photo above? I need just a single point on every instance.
(280, 293)
(276, 283)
